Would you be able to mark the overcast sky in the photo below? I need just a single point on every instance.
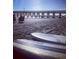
(39, 4)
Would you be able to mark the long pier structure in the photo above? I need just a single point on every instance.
(40, 14)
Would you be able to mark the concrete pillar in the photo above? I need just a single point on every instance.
(42, 15)
(14, 18)
(47, 15)
(59, 15)
(53, 15)
(37, 14)
(33, 15)
(17, 17)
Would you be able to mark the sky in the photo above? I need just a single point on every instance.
(34, 5)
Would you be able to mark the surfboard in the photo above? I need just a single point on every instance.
(40, 49)
(50, 37)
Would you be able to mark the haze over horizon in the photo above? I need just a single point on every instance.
(37, 5)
